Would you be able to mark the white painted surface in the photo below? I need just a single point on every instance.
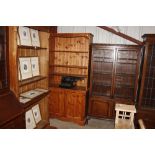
(102, 36)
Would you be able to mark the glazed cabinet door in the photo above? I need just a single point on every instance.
(56, 103)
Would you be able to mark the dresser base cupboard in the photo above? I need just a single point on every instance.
(101, 107)
(68, 105)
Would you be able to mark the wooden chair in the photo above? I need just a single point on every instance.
(124, 116)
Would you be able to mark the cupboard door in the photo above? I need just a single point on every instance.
(70, 102)
(75, 106)
(126, 73)
(79, 108)
(56, 103)
(101, 108)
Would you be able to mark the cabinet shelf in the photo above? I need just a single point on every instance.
(128, 63)
(70, 51)
(124, 86)
(31, 80)
(70, 66)
(99, 83)
(123, 96)
(75, 88)
(66, 74)
(102, 73)
(28, 105)
(125, 74)
(30, 47)
(100, 94)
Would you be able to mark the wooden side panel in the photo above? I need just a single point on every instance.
(44, 57)
(13, 62)
(43, 104)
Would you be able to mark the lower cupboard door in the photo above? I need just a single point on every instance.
(100, 108)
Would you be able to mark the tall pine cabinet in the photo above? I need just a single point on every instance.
(69, 56)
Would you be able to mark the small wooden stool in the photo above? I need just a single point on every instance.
(124, 116)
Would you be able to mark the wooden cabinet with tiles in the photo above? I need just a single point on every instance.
(69, 56)
(114, 77)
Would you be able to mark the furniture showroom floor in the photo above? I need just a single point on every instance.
(92, 124)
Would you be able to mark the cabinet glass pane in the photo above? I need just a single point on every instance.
(3, 65)
(102, 72)
(148, 99)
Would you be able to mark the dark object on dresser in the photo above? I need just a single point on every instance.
(11, 113)
(69, 81)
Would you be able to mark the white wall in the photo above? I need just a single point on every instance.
(102, 36)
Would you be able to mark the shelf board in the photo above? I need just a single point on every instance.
(34, 101)
(67, 74)
(123, 96)
(127, 63)
(31, 80)
(70, 51)
(124, 86)
(70, 66)
(82, 88)
(125, 74)
(148, 107)
(100, 94)
(103, 61)
(130, 59)
(103, 73)
(30, 47)
(102, 84)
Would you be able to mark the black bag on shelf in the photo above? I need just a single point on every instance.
(69, 81)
